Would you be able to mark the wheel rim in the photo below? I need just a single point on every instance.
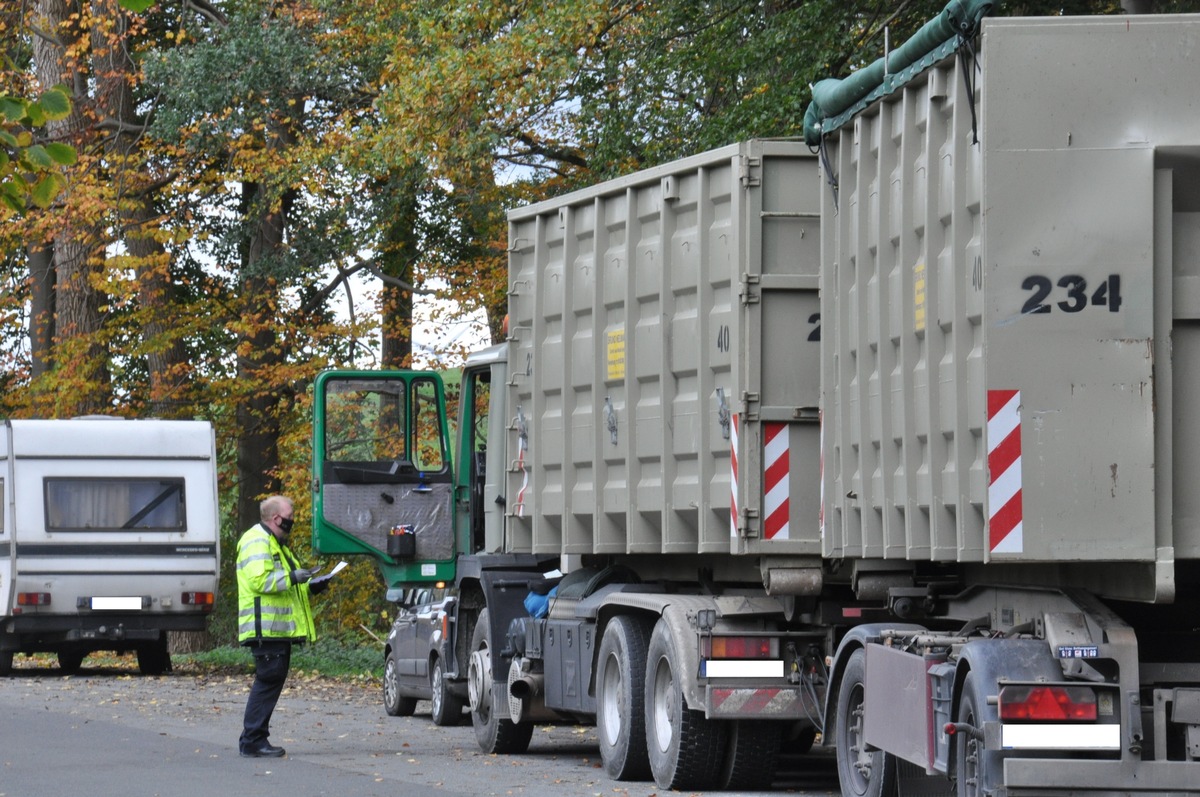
(610, 705)
(664, 705)
(435, 696)
(391, 688)
(479, 677)
(970, 766)
(861, 760)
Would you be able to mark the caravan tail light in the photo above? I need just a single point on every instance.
(204, 599)
(1048, 703)
(33, 598)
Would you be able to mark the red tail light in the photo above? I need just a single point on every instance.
(33, 598)
(1048, 703)
(197, 599)
(739, 647)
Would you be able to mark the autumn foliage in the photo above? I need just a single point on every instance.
(204, 204)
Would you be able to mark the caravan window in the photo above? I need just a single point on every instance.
(86, 504)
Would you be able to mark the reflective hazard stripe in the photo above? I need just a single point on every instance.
(1005, 512)
(776, 480)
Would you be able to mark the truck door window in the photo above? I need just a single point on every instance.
(100, 504)
(365, 421)
(430, 455)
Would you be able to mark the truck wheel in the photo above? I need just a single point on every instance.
(494, 731)
(974, 764)
(447, 708)
(154, 658)
(621, 699)
(686, 749)
(862, 772)
(69, 661)
(395, 704)
(6, 658)
(752, 755)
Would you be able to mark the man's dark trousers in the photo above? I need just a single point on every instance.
(271, 662)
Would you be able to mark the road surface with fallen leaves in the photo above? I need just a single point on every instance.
(110, 732)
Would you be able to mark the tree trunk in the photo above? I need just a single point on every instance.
(258, 355)
(115, 72)
(77, 302)
(400, 252)
(41, 309)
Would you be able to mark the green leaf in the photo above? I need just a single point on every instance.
(12, 109)
(8, 139)
(10, 197)
(136, 6)
(39, 157)
(62, 154)
(36, 114)
(55, 103)
(46, 189)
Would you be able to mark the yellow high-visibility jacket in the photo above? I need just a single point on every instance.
(270, 605)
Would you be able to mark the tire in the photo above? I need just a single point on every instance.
(154, 658)
(395, 704)
(974, 766)
(446, 707)
(751, 755)
(861, 772)
(686, 749)
(6, 660)
(621, 699)
(494, 731)
(69, 661)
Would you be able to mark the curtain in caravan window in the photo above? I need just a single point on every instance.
(114, 504)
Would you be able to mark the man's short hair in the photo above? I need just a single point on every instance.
(273, 505)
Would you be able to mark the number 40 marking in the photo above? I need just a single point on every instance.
(1107, 294)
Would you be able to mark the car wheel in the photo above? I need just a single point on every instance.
(447, 707)
(395, 704)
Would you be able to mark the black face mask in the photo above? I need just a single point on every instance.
(285, 525)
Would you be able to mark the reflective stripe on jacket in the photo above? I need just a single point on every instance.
(270, 606)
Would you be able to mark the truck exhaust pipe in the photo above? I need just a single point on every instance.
(526, 694)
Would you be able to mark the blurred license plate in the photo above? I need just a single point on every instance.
(117, 604)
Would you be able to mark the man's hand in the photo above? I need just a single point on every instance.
(301, 575)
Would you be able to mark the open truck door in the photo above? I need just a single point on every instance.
(382, 477)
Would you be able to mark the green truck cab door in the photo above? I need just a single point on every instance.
(382, 480)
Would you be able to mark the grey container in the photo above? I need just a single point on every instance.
(1011, 348)
(653, 320)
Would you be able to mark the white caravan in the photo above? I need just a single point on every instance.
(108, 537)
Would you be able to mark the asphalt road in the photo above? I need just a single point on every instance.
(114, 733)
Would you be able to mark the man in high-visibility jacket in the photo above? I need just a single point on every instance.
(273, 614)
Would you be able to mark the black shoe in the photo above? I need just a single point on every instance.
(266, 751)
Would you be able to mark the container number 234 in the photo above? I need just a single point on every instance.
(1073, 294)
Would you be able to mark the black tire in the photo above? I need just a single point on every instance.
(751, 755)
(621, 699)
(394, 703)
(6, 660)
(70, 661)
(975, 766)
(446, 707)
(154, 658)
(861, 772)
(686, 749)
(494, 730)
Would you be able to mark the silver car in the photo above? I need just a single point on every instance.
(418, 656)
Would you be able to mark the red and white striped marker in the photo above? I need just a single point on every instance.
(733, 474)
(776, 467)
(1005, 515)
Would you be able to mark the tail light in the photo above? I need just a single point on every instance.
(33, 598)
(197, 599)
(740, 647)
(1048, 703)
